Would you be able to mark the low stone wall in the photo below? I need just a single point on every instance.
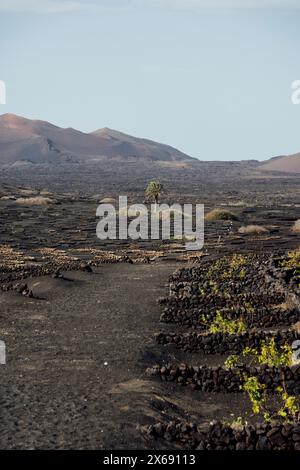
(224, 437)
(283, 274)
(190, 295)
(221, 343)
(262, 297)
(261, 319)
(221, 379)
(11, 278)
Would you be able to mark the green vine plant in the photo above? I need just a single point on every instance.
(213, 286)
(216, 266)
(226, 268)
(269, 354)
(232, 361)
(237, 265)
(293, 262)
(256, 394)
(249, 308)
(287, 410)
(223, 325)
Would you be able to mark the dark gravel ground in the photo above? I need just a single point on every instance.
(69, 349)
(57, 391)
(78, 350)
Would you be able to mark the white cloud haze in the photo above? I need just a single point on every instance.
(60, 6)
(228, 3)
(44, 6)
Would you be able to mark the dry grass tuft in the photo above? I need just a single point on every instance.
(296, 226)
(220, 214)
(108, 200)
(45, 194)
(34, 201)
(248, 229)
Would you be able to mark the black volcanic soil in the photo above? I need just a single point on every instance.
(56, 391)
(69, 221)
(76, 359)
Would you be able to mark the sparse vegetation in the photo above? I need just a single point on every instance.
(286, 408)
(232, 361)
(223, 325)
(271, 355)
(153, 191)
(267, 354)
(250, 229)
(290, 408)
(108, 200)
(236, 423)
(296, 226)
(255, 391)
(244, 298)
(293, 260)
(34, 201)
(220, 214)
(249, 308)
(236, 267)
(183, 238)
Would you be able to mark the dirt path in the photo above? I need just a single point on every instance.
(76, 357)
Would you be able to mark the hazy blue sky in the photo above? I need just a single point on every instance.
(214, 82)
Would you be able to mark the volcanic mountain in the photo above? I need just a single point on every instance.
(283, 164)
(35, 141)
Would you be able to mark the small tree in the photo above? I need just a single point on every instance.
(153, 192)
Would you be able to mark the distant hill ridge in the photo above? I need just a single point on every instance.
(27, 141)
(283, 164)
(36, 141)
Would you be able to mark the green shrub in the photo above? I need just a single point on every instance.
(269, 354)
(222, 325)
